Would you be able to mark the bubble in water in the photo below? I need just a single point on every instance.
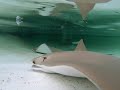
(18, 20)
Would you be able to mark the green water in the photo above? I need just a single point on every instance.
(103, 44)
(101, 32)
(20, 48)
(103, 20)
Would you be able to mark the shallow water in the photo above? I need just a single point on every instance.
(15, 49)
(58, 28)
(16, 54)
(103, 20)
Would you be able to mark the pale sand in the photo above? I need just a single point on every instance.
(21, 77)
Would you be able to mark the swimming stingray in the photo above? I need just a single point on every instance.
(86, 6)
(102, 70)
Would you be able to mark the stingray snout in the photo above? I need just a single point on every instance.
(33, 62)
(39, 60)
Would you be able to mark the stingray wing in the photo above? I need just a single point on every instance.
(86, 6)
(81, 46)
(104, 73)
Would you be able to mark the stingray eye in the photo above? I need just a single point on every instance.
(33, 62)
(44, 58)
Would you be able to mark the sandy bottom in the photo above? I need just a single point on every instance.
(22, 77)
(16, 72)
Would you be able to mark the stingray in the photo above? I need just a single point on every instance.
(86, 6)
(63, 69)
(102, 70)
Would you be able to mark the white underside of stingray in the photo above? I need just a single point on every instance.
(63, 70)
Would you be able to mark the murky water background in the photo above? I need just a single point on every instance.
(101, 32)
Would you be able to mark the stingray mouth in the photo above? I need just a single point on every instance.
(36, 66)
